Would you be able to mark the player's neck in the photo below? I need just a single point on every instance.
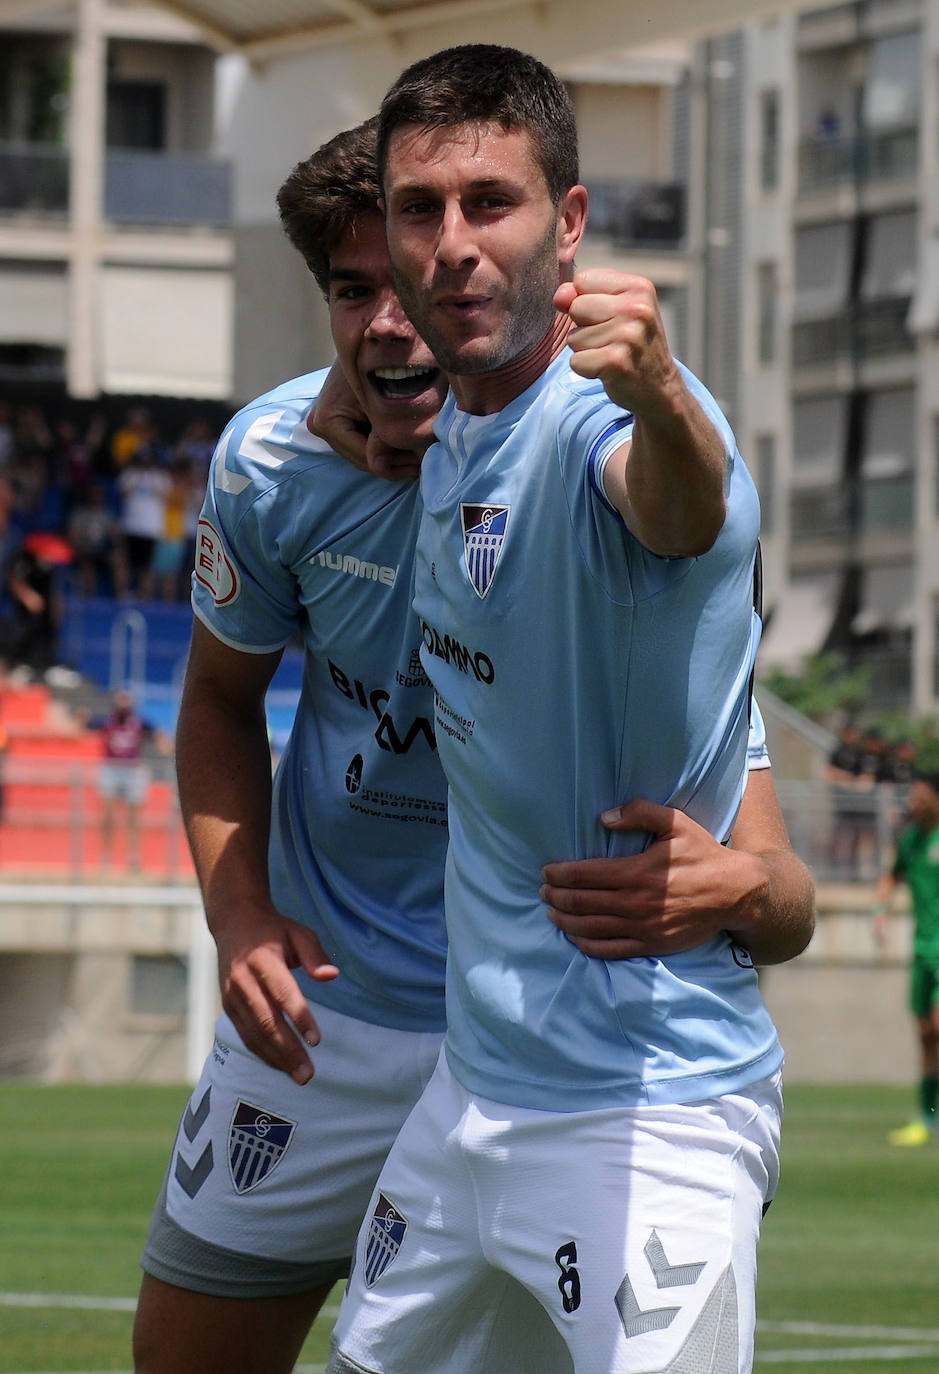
(489, 392)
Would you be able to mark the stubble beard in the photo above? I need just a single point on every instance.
(527, 312)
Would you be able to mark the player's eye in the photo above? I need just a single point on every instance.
(353, 291)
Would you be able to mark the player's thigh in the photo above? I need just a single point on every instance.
(421, 1298)
(180, 1332)
(637, 1231)
(924, 988)
(268, 1181)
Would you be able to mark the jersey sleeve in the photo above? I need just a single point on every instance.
(591, 428)
(244, 587)
(757, 752)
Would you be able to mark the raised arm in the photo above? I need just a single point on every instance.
(685, 887)
(223, 767)
(669, 481)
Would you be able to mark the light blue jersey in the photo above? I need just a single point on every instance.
(293, 540)
(573, 671)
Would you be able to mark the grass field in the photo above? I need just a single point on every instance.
(849, 1261)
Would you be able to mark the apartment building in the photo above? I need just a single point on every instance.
(116, 255)
(838, 402)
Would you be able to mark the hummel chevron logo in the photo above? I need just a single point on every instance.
(669, 1275)
(192, 1179)
(193, 1121)
(635, 1322)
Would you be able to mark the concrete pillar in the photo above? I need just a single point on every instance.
(86, 167)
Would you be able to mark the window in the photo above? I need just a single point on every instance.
(766, 290)
(766, 480)
(822, 266)
(890, 256)
(818, 440)
(769, 140)
(136, 115)
(888, 460)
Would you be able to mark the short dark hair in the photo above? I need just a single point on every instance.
(480, 83)
(929, 776)
(327, 193)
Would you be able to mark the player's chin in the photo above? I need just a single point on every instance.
(405, 424)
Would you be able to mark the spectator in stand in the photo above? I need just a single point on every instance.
(197, 445)
(6, 435)
(171, 549)
(143, 487)
(74, 458)
(844, 772)
(94, 532)
(124, 776)
(32, 582)
(134, 434)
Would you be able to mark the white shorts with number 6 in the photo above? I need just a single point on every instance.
(635, 1230)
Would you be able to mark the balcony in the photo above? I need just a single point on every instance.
(642, 215)
(819, 513)
(167, 188)
(141, 188)
(887, 503)
(828, 164)
(863, 330)
(33, 179)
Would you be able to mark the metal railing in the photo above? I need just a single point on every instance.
(638, 214)
(140, 187)
(843, 833)
(52, 822)
(862, 329)
(826, 164)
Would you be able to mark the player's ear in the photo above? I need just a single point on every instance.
(572, 220)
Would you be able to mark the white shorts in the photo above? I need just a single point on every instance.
(268, 1181)
(635, 1230)
(127, 781)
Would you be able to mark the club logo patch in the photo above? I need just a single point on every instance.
(214, 568)
(483, 537)
(257, 1142)
(386, 1230)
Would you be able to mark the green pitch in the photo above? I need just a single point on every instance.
(848, 1264)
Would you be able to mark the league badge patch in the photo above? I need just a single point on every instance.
(483, 537)
(386, 1230)
(257, 1142)
(214, 568)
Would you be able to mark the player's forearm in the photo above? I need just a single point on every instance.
(676, 480)
(775, 918)
(224, 771)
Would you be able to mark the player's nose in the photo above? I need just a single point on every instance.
(389, 319)
(456, 244)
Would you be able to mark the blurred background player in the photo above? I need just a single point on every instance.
(916, 863)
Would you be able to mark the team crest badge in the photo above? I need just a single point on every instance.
(386, 1230)
(257, 1142)
(483, 537)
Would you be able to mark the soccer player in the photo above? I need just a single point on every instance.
(917, 863)
(272, 1167)
(601, 1136)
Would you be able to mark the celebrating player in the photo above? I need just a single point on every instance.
(272, 1166)
(601, 1136)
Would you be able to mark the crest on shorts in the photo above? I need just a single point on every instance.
(386, 1228)
(257, 1142)
(483, 537)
